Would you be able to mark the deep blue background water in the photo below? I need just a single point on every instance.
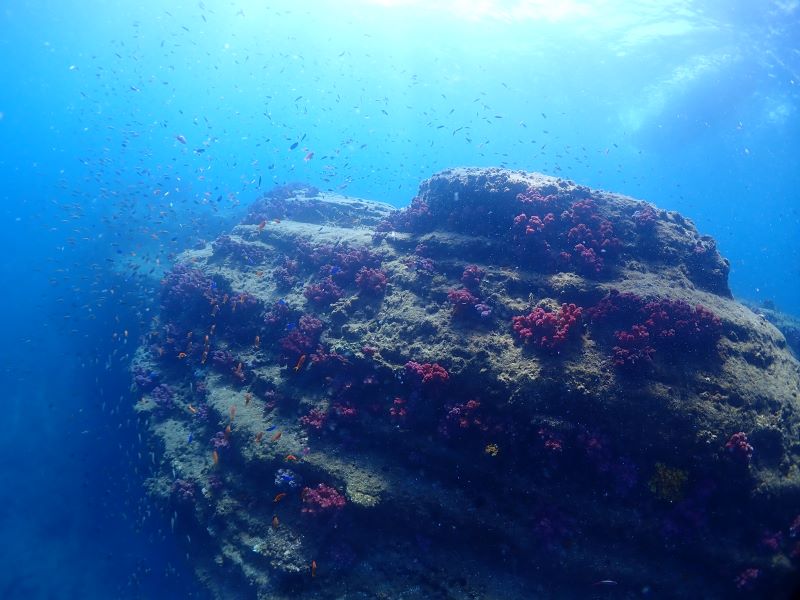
(690, 105)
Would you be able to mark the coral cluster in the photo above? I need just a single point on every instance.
(550, 330)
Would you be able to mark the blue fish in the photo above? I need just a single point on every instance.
(335, 270)
(290, 326)
(271, 427)
(281, 301)
(189, 440)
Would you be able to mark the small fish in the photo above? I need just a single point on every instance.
(248, 397)
(271, 428)
(233, 412)
(192, 409)
(293, 146)
(259, 435)
(227, 432)
(290, 457)
(309, 156)
(313, 568)
(300, 362)
(215, 457)
(279, 497)
(262, 225)
(605, 582)
(290, 326)
(181, 139)
(182, 355)
(276, 437)
(275, 521)
(189, 439)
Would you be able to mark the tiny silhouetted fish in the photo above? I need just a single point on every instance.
(293, 146)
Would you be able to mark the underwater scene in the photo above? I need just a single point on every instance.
(400, 299)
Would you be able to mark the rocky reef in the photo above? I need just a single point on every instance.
(516, 387)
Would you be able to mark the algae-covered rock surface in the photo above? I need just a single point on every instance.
(517, 387)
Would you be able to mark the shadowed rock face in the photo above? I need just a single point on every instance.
(632, 423)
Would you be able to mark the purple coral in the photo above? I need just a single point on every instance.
(241, 252)
(548, 330)
(371, 281)
(427, 373)
(145, 379)
(676, 324)
(220, 441)
(472, 277)
(322, 498)
(302, 339)
(739, 447)
(163, 396)
(188, 294)
(183, 490)
(324, 292)
(463, 302)
(314, 419)
(633, 348)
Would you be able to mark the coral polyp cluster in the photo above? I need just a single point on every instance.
(513, 375)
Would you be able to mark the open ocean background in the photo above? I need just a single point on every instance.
(690, 105)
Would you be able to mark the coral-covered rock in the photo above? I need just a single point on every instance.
(617, 417)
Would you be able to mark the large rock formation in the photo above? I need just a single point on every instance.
(517, 387)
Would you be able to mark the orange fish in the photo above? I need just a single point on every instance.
(215, 457)
(257, 341)
(259, 435)
(262, 225)
(300, 362)
(291, 457)
(233, 412)
(313, 568)
(275, 521)
(309, 156)
(276, 437)
(227, 432)
(182, 355)
(192, 409)
(280, 497)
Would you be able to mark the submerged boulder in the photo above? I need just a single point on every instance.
(516, 387)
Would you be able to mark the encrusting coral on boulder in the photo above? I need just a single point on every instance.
(517, 387)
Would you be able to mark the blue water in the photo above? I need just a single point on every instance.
(690, 105)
